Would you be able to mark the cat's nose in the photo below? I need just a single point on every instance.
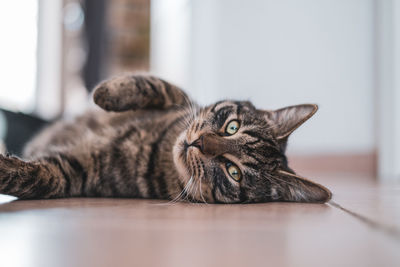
(213, 145)
(198, 143)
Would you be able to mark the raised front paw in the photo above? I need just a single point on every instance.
(10, 165)
(120, 93)
(102, 97)
(11, 169)
(131, 92)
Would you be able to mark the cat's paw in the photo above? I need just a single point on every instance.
(102, 97)
(9, 164)
(117, 94)
(15, 167)
(17, 176)
(8, 170)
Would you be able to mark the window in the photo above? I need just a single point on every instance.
(19, 32)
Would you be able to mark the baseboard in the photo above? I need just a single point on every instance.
(346, 163)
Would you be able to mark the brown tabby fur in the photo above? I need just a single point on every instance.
(151, 141)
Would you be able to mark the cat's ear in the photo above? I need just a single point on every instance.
(288, 119)
(299, 189)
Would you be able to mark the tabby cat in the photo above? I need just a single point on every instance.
(149, 140)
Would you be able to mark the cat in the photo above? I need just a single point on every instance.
(149, 140)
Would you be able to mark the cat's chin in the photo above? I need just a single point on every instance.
(179, 157)
(181, 153)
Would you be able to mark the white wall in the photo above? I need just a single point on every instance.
(388, 89)
(279, 53)
(171, 40)
(49, 57)
(18, 54)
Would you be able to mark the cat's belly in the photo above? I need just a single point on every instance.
(94, 130)
(129, 154)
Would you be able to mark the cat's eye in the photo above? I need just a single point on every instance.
(232, 127)
(233, 171)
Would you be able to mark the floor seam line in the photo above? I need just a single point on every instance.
(390, 230)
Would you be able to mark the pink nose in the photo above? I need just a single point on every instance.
(212, 144)
(198, 143)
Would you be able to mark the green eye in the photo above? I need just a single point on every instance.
(232, 127)
(234, 171)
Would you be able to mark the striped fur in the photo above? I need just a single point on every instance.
(150, 141)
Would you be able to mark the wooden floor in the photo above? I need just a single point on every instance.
(360, 227)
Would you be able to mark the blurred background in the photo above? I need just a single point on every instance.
(341, 54)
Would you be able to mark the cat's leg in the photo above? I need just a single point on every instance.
(46, 178)
(132, 92)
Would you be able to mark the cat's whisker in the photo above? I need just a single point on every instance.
(176, 199)
(201, 193)
(191, 171)
(193, 189)
(190, 190)
(183, 192)
(187, 188)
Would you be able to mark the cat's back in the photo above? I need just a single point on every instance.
(96, 129)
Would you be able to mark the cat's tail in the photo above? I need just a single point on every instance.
(34, 179)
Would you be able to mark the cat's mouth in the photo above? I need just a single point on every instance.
(190, 157)
(187, 159)
(179, 152)
(191, 169)
(197, 143)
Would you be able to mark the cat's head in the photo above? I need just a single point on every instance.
(233, 153)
